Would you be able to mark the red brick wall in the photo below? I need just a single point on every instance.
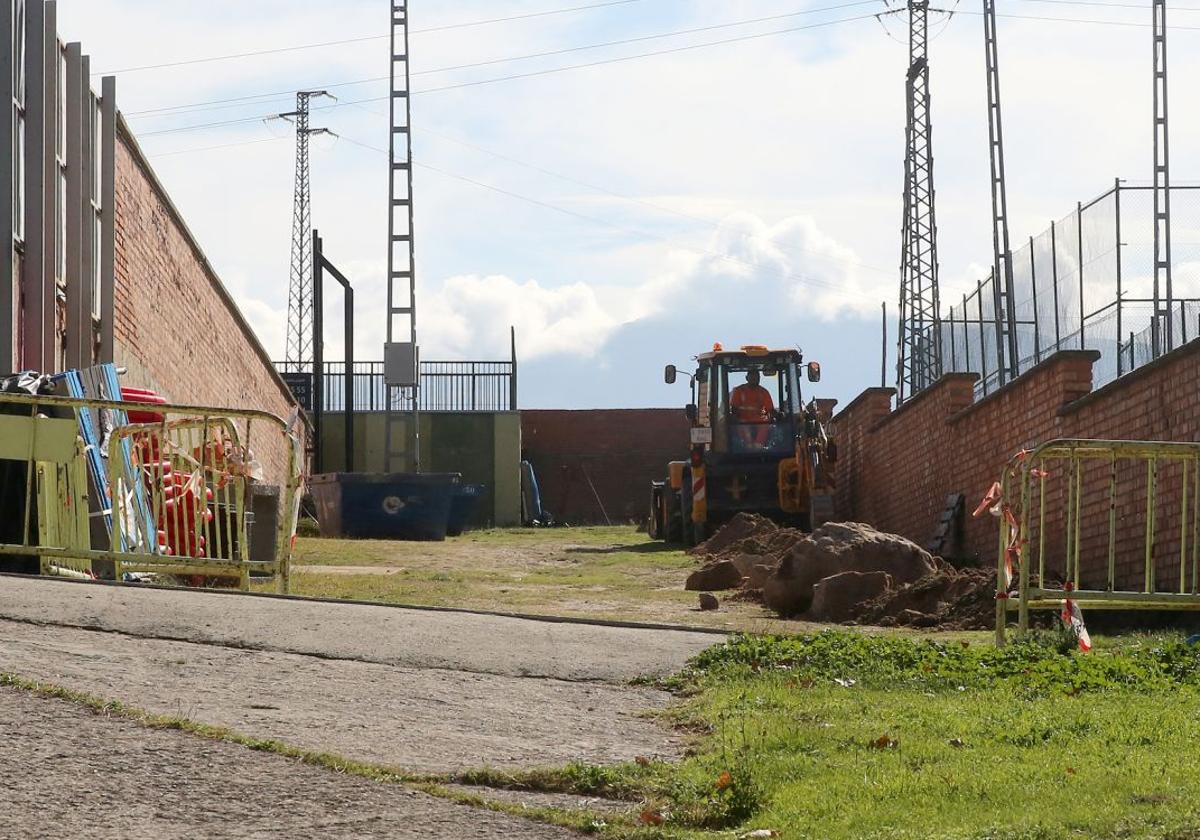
(177, 329)
(620, 450)
(896, 468)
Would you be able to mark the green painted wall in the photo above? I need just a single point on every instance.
(484, 447)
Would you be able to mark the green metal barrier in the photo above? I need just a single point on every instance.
(180, 492)
(1050, 480)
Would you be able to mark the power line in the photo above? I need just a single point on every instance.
(597, 63)
(546, 54)
(808, 281)
(650, 54)
(654, 37)
(705, 221)
(172, 110)
(605, 61)
(220, 146)
(344, 41)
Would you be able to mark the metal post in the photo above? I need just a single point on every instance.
(919, 358)
(953, 344)
(76, 306)
(1054, 285)
(1117, 203)
(108, 217)
(966, 336)
(1162, 174)
(983, 368)
(38, 107)
(1037, 330)
(401, 276)
(318, 357)
(299, 348)
(8, 192)
(50, 196)
(1003, 293)
(87, 240)
(512, 379)
(1079, 238)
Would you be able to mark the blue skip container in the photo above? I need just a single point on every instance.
(462, 507)
(384, 506)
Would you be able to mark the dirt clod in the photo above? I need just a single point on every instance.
(722, 574)
(842, 572)
(709, 601)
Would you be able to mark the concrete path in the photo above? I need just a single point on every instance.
(419, 720)
(70, 773)
(409, 638)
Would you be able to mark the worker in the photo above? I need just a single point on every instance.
(753, 409)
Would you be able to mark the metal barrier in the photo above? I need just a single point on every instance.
(176, 491)
(1131, 500)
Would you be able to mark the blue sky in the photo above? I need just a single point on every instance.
(748, 192)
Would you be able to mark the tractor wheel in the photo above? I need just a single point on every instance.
(654, 527)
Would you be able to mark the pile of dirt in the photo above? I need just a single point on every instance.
(844, 572)
(948, 598)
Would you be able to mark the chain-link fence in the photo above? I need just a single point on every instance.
(1085, 283)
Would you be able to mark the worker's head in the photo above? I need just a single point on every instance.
(753, 377)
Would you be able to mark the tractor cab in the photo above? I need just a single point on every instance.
(748, 402)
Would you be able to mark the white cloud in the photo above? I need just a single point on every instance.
(472, 312)
(789, 266)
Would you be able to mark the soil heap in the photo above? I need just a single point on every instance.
(845, 572)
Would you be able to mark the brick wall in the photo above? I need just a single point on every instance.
(896, 468)
(177, 330)
(620, 450)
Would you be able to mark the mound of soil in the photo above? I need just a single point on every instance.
(950, 599)
(842, 572)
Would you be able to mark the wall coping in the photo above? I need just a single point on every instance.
(1044, 364)
(1129, 379)
(917, 399)
(891, 392)
(131, 143)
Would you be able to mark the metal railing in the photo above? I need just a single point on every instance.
(445, 386)
(1129, 507)
(173, 494)
(1085, 283)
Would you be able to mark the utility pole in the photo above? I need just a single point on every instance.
(1162, 186)
(299, 349)
(402, 363)
(919, 356)
(1007, 361)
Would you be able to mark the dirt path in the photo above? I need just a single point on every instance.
(70, 773)
(426, 720)
(362, 632)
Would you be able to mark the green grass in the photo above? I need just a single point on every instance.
(925, 740)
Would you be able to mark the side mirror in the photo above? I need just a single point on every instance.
(814, 371)
(669, 375)
(692, 412)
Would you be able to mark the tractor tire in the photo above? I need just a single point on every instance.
(654, 525)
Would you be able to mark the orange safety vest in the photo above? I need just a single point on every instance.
(752, 404)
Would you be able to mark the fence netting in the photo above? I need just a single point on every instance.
(1086, 282)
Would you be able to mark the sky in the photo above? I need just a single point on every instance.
(628, 214)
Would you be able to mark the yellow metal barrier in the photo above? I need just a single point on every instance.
(177, 491)
(1128, 479)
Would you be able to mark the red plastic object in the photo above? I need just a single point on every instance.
(143, 396)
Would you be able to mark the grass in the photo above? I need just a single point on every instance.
(610, 572)
(841, 735)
